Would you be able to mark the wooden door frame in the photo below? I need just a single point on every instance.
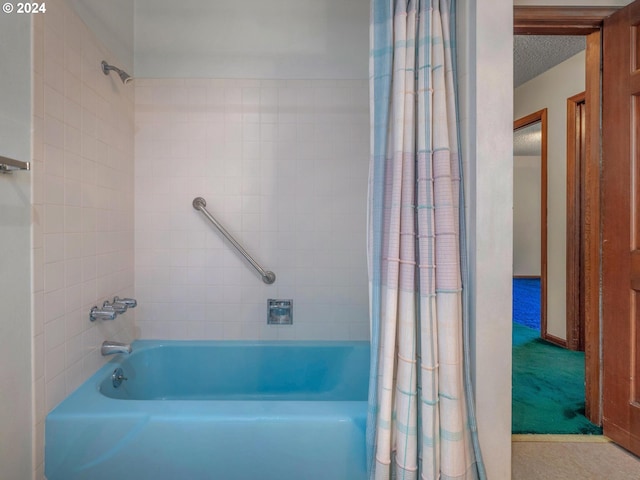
(540, 116)
(533, 20)
(576, 124)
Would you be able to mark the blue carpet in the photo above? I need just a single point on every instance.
(548, 387)
(526, 302)
(548, 381)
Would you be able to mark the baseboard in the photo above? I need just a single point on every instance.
(561, 342)
(529, 277)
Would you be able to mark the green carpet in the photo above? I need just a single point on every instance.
(548, 387)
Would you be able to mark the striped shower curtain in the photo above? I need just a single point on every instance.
(420, 424)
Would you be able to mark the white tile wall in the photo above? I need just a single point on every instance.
(82, 206)
(283, 165)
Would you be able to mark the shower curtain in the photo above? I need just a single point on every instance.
(420, 422)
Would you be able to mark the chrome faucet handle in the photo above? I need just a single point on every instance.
(119, 307)
(107, 307)
(105, 313)
(129, 302)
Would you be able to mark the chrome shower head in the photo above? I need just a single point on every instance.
(124, 76)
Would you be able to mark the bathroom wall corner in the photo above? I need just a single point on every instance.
(82, 207)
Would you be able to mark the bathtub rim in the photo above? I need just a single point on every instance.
(87, 399)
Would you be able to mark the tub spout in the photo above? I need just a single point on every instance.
(111, 348)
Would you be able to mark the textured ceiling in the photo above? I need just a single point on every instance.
(535, 54)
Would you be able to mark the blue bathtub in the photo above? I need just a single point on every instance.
(217, 411)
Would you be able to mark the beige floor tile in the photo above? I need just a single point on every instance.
(553, 460)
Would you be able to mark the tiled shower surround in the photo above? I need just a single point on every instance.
(82, 207)
(283, 166)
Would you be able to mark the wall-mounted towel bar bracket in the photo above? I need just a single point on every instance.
(268, 277)
(8, 165)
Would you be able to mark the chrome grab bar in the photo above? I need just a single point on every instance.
(268, 277)
(7, 165)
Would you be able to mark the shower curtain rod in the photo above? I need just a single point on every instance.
(267, 277)
(8, 165)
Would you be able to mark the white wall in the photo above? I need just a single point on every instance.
(526, 215)
(301, 39)
(485, 30)
(550, 90)
(82, 206)
(283, 165)
(15, 257)
(280, 153)
(112, 24)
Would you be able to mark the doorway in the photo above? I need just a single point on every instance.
(548, 379)
(587, 22)
(549, 70)
(611, 258)
(530, 221)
